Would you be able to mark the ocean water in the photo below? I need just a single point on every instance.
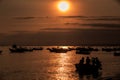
(40, 22)
(44, 65)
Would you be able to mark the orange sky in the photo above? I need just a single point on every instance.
(43, 16)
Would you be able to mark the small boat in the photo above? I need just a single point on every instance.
(16, 50)
(20, 49)
(38, 48)
(87, 69)
(83, 51)
(1, 51)
(117, 53)
(58, 50)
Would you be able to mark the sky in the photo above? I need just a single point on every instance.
(43, 22)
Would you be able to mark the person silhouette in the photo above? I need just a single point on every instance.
(82, 61)
(93, 61)
(87, 60)
(98, 63)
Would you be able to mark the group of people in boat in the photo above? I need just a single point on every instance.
(92, 61)
(89, 65)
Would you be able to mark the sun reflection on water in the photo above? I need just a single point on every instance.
(62, 69)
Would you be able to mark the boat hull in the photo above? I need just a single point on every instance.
(86, 69)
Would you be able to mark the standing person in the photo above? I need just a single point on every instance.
(82, 61)
(93, 61)
(87, 60)
(98, 63)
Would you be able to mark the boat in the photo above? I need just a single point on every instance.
(19, 49)
(16, 50)
(86, 51)
(110, 49)
(117, 53)
(0, 51)
(83, 52)
(38, 48)
(87, 69)
(58, 50)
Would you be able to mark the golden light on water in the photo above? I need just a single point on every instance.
(65, 47)
(62, 69)
(63, 6)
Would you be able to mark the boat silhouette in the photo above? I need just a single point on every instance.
(1, 51)
(87, 68)
(58, 50)
(117, 53)
(83, 51)
(19, 49)
(40, 48)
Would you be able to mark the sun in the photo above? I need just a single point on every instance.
(63, 6)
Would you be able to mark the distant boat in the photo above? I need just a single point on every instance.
(38, 48)
(16, 50)
(20, 49)
(110, 49)
(83, 50)
(1, 51)
(58, 50)
(117, 53)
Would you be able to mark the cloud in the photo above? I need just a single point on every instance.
(109, 25)
(102, 25)
(24, 18)
(104, 18)
(73, 16)
(21, 31)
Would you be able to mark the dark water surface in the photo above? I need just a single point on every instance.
(44, 65)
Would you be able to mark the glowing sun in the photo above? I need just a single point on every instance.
(63, 6)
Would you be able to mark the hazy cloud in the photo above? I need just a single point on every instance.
(73, 16)
(24, 18)
(102, 25)
(105, 18)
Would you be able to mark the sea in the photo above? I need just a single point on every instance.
(40, 22)
(46, 65)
